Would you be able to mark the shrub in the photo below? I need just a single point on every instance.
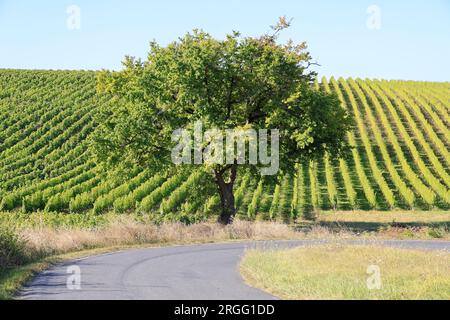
(436, 233)
(13, 251)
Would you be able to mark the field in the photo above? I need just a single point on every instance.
(305, 273)
(400, 158)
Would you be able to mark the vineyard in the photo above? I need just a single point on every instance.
(400, 157)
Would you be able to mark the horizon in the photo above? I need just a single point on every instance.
(406, 40)
(319, 77)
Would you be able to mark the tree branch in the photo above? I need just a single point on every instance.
(205, 80)
(309, 64)
(229, 98)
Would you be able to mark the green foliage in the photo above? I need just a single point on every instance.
(403, 189)
(149, 202)
(212, 205)
(376, 171)
(12, 248)
(298, 193)
(314, 188)
(240, 192)
(253, 207)
(138, 190)
(177, 197)
(239, 82)
(47, 117)
(331, 185)
(275, 202)
(17, 220)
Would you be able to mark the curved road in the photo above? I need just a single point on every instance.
(203, 272)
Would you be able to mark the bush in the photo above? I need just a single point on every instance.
(13, 249)
(436, 233)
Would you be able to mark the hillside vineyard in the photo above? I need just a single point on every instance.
(400, 160)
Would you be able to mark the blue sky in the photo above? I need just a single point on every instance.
(413, 41)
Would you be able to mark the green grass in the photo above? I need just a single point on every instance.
(12, 279)
(341, 272)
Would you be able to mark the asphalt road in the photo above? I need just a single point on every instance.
(203, 272)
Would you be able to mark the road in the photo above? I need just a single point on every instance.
(203, 272)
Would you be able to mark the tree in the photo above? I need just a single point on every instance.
(239, 82)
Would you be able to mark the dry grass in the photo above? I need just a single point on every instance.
(48, 236)
(386, 217)
(124, 232)
(340, 272)
(47, 245)
(389, 225)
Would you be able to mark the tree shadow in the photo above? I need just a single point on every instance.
(360, 226)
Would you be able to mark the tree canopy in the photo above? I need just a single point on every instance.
(238, 82)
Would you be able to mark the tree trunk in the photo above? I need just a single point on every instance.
(226, 195)
(227, 201)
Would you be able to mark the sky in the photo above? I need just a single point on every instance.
(389, 39)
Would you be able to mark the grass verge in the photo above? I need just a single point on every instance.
(349, 272)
